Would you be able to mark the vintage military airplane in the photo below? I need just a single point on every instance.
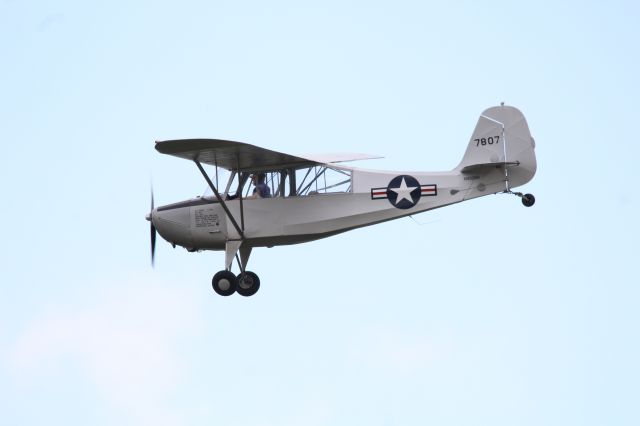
(312, 197)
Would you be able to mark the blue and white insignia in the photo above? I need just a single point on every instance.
(404, 192)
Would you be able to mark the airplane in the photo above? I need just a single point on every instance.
(316, 196)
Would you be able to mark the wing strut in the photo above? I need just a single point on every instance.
(222, 203)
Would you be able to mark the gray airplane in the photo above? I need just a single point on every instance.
(271, 198)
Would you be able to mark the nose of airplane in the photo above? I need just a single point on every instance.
(172, 224)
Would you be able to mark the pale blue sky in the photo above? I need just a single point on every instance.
(486, 314)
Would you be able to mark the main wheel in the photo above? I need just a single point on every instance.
(528, 200)
(248, 284)
(224, 283)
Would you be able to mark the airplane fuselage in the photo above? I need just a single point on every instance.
(201, 224)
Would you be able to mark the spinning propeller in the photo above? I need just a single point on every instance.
(153, 232)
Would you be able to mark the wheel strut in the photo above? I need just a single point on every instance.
(528, 200)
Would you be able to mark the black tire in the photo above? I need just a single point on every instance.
(248, 285)
(528, 200)
(224, 283)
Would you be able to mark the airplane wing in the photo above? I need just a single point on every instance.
(241, 156)
(340, 157)
(231, 155)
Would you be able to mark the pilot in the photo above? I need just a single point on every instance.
(261, 189)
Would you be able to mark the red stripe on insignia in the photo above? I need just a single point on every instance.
(428, 189)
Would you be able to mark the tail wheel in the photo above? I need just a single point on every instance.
(528, 200)
(248, 283)
(224, 283)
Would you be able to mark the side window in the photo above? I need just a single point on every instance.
(323, 180)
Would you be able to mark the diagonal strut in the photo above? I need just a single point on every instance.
(222, 203)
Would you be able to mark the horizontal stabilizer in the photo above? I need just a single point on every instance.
(474, 168)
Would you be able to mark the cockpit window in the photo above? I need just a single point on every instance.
(323, 180)
(285, 183)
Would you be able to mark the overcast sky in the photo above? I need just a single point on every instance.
(482, 313)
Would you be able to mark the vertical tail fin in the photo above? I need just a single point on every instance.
(501, 138)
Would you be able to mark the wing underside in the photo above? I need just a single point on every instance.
(230, 155)
(240, 156)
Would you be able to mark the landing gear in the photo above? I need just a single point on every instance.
(224, 283)
(248, 284)
(528, 200)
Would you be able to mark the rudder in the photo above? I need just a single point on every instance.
(501, 138)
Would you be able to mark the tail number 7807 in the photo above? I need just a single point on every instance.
(487, 141)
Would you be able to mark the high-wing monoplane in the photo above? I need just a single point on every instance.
(313, 197)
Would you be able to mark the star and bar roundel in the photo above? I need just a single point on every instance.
(404, 192)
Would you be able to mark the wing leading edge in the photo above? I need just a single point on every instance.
(230, 155)
(242, 156)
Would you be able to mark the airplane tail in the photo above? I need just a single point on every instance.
(501, 145)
